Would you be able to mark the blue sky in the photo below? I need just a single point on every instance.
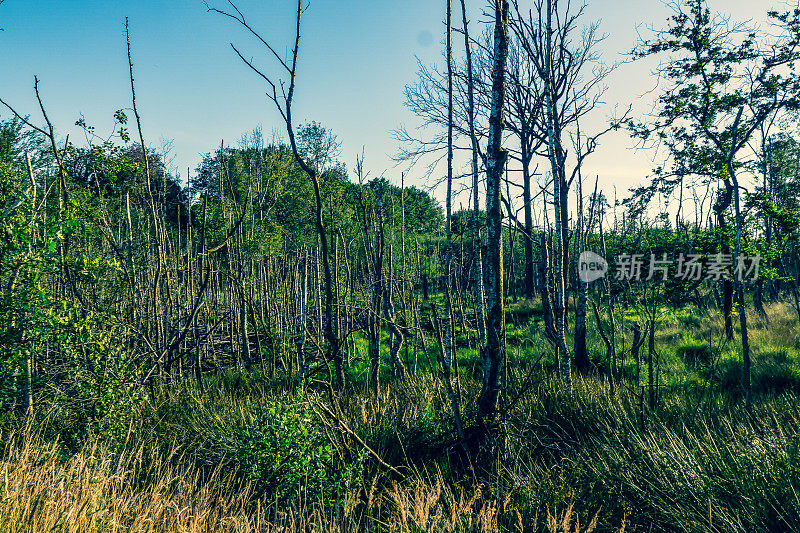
(356, 58)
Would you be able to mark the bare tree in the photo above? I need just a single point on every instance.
(447, 334)
(377, 291)
(565, 56)
(477, 268)
(494, 352)
(283, 100)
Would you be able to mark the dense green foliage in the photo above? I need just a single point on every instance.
(275, 341)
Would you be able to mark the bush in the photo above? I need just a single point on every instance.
(687, 318)
(85, 381)
(279, 447)
(772, 371)
(695, 353)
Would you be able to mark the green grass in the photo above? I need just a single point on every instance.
(695, 352)
(698, 461)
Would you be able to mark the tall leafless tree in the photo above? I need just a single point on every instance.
(283, 103)
(493, 354)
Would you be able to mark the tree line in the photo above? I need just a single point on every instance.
(118, 276)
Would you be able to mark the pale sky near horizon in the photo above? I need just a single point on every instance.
(356, 58)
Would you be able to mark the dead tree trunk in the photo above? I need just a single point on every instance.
(559, 200)
(377, 293)
(396, 343)
(477, 265)
(494, 352)
(301, 321)
(582, 362)
(545, 286)
(447, 334)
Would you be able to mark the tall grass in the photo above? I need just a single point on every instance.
(94, 490)
(563, 461)
(250, 454)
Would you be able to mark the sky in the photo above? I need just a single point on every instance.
(356, 57)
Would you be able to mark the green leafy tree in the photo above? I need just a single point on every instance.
(724, 82)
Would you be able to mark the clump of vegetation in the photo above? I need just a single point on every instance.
(695, 353)
(274, 342)
(247, 461)
(279, 447)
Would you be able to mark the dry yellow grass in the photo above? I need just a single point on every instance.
(91, 492)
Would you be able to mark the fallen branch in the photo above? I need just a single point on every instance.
(343, 426)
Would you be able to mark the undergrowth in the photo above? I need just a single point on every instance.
(246, 452)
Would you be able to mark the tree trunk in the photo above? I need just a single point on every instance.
(477, 265)
(727, 307)
(739, 286)
(396, 337)
(528, 209)
(494, 352)
(377, 293)
(447, 334)
(301, 322)
(559, 200)
(722, 204)
(758, 298)
(582, 362)
(651, 352)
(545, 287)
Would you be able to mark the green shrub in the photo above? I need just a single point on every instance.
(280, 448)
(772, 371)
(99, 385)
(695, 353)
(687, 318)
